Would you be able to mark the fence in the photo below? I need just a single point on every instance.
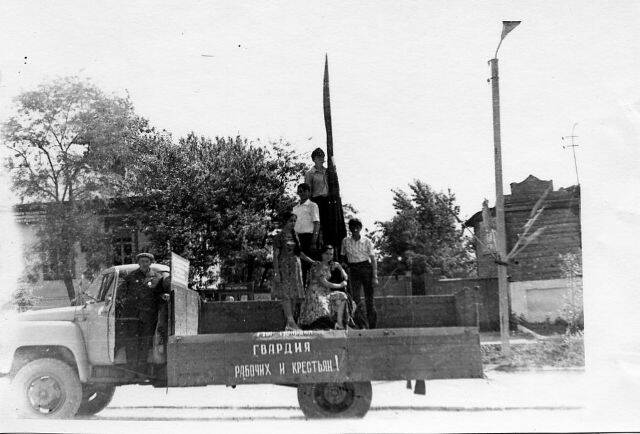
(477, 293)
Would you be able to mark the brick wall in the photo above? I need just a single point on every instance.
(541, 259)
(561, 218)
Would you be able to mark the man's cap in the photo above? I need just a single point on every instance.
(145, 255)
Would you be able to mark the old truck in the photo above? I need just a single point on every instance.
(66, 361)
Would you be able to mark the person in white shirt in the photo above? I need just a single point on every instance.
(307, 226)
(363, 269)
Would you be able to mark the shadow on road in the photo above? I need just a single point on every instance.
(257, 416)
(442, 408)
(194, 419)
(204, 407)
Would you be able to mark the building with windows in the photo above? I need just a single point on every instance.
(545, 275)
(48, 287)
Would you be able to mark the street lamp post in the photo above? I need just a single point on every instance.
(501, 242)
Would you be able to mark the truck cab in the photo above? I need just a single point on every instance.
(67, 361)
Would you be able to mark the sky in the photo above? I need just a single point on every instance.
(410, 97)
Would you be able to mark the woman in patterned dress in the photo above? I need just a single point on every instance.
(287, 272)
(324, 304)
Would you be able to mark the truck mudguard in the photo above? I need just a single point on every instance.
(20, 334)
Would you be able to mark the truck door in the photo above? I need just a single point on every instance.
(98, 322)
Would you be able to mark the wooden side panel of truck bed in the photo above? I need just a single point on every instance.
(324, 356)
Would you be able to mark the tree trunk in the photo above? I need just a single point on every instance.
(68, 283)
(250, 267)
(68, 243)
(68, 265)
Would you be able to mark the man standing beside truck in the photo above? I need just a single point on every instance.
(139, 297)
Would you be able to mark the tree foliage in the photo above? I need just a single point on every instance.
(214, 201)
(84, 155)
(66, 140)
(424, 235)
(572, 305)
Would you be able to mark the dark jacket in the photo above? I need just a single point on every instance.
(140, 294)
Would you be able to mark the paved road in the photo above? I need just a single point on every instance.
(522, 401)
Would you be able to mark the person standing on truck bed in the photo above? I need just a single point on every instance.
(316, 178)
(139, 297)
(307, 226)
(287, 270)
(362, 266)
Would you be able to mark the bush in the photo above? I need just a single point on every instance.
(22, 299)
(572, 307)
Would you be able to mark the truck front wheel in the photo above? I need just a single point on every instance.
(328, 400)
(95, 398)
(47, 388)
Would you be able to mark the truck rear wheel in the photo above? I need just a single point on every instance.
(328, 400)
(47, 388)
(95, 398)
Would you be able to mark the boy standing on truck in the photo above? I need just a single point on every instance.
(307, 226)
(362, 268)
(139, 296)
(316, 178)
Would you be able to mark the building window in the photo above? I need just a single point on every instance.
(123, 249)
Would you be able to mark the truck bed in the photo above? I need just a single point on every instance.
(393, 312)
(420, 338)
(323, 356)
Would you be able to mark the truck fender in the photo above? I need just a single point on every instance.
(28, 336)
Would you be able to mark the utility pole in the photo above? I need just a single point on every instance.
(573, 147)
(501, 241)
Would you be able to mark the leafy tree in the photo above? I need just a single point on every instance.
(67, 140)
(572, 305)
(214, 201)
(424, 236)
(350, 212)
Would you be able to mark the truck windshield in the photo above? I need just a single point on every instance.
(94, 287)
(100, 286)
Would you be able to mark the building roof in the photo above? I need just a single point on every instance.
(525, 194)
(34, 211)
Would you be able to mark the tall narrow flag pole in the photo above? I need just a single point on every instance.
(335, 228)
